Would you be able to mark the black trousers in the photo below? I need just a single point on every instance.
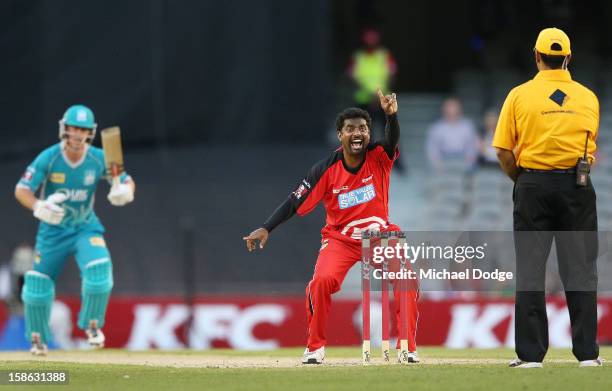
(550, 206)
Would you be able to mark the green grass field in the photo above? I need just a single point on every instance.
(441, 369)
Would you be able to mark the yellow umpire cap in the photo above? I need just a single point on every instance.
(547, 39)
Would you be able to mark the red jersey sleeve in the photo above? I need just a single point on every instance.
(306, 195)
(379, 153)
(310, 191)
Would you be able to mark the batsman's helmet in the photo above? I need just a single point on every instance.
(79, 116)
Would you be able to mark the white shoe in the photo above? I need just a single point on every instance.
(518, 363)
(315, 357)
(38, 348)
(413, 357)
(598, 362)
(405, 357)
(95, 336)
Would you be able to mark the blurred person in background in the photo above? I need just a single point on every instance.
(452, 141)
(12, 276)
(488, 153)
(67, 175)
(372, 67)
(11, 283)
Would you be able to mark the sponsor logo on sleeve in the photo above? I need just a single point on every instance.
(28, 174)
(57, 177)
(302, 189)
(299, 192)
(97, 241)
(356, 197)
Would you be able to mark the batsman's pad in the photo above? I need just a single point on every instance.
(37, 294)
(96, 289)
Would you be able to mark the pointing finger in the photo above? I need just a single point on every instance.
(380, 94)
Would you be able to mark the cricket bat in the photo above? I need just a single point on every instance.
(113, 152)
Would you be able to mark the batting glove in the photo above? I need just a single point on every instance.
(50, 210)
(120, 194)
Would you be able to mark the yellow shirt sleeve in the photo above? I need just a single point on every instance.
(505, 133)
(595, 132)
(592, 147)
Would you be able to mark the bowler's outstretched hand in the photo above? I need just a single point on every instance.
(259, 235)
(387, 102)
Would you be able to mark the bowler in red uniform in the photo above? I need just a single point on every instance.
(353, 184)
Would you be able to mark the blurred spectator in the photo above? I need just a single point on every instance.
(5, 281)
(372, 67)
(11, 282)
(451, 140)
(488, 153)
(11, 276)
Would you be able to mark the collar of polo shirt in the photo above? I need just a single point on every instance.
(554, 74)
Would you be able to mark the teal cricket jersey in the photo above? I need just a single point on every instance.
(52, 172)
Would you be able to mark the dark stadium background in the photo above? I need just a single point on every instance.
(224, 105)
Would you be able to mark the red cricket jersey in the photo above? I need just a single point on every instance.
(354, 199)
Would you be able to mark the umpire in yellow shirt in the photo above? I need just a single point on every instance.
(545, 141)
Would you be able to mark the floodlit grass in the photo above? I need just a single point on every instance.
(560, 374)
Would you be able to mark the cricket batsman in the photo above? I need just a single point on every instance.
(353, 184)
(67, 175)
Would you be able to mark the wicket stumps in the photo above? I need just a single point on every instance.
(365, 295)
(368, 239)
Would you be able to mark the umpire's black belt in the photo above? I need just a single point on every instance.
(566, 171)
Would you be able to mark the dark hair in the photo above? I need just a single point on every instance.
(553, 62)
(350, 113)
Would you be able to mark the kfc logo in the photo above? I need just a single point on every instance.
(155, 325)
